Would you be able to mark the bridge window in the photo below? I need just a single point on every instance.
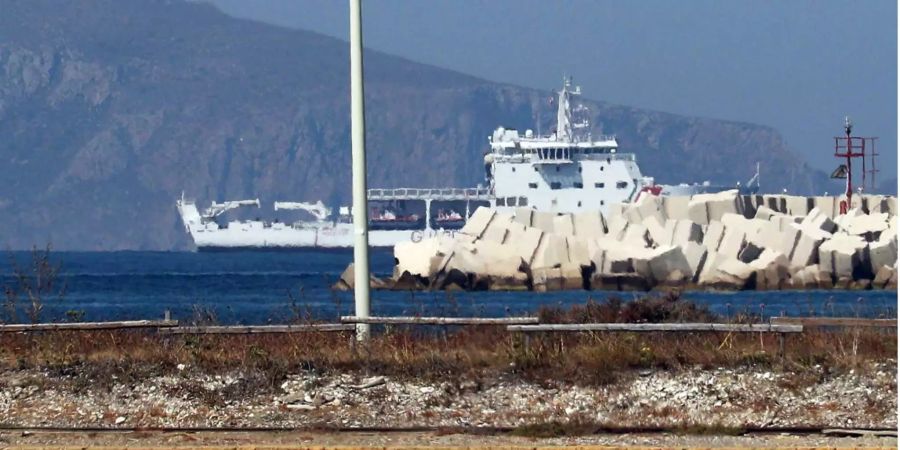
(523, 201)
(555, 185)
(510, 201)
(532, 185)
(501, 202)
(622, 184)
(599, 185)
(578, 184)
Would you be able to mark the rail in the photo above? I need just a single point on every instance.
(259, 329)
(837, 322)
(430, 194)
(88, 326)
(405, 320)
(653, 327)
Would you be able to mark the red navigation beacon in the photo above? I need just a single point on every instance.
(851, 147)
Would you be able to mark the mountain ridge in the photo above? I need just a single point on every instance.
(110, 109)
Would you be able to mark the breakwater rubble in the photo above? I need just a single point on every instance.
(720, 241)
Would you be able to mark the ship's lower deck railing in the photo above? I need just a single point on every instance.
(446, 194)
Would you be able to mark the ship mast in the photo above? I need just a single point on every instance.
(358, 146)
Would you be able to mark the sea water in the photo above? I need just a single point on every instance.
(280, 287)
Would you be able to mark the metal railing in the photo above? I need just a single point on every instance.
(430, 194)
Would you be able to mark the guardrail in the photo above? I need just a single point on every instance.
(837, 322)
(88, 326)
(259, 329)
(414, 320)
(653, 327)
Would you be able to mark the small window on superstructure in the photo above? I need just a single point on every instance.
(579, 203)
(501, 202)
(514, 169)
(523, 201)
(557, 168)
(602, 203)
(599, 185)
(608, 160)
(532, 185)
(555, 185)
(535, 168)
(510, 201)
(579, 169)
(578, 184)
(622, 184)
(601, 168)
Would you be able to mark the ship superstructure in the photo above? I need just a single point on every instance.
(568, 171)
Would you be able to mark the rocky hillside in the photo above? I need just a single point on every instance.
(109, 109)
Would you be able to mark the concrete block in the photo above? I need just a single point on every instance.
(478, 222)
(697, 211)
(806, 249)
(866, 224)
(817, 219)
(695, 255)
(842, 255)
(766, 235)
(891, 204)
(882, 253)
(578, 251)
(543, 221)
(636, 235)
(765, 213)
(775, 203)
(675, 207)
(658, 234)
(589, 224)
(722, 203)
(783, 221)
(616, 227)
(650, 206)
(732, 242)
(685, 231)
(551, 252)
(415, 257)
(873, 204)
(525, 243)
(771, 270)
(827, 205)
(498, 229)
(713, 236)
(571, 275)
(883, 276)
(547, 279)
(724, 272)
(563, 225)
(750, 252)
(615, 209)
(523, 216)
(669, 264)
(797, 206)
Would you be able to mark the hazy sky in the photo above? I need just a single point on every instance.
(799, 66)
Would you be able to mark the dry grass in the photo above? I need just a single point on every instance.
(104, 358)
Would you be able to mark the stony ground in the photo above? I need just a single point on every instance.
(720, 397)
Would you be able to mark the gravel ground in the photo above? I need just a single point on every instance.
(744, 397)
(382, 440)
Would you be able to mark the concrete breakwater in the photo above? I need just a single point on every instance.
(708, 241)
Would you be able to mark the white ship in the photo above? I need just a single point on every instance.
(568, 170)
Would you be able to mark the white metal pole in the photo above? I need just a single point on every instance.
(358, 144)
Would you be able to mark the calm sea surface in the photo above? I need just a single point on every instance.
(261, 287)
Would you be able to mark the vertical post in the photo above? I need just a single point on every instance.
(358, 145)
